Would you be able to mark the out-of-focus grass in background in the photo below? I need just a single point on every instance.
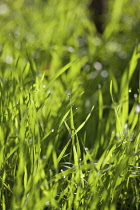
(69, 106)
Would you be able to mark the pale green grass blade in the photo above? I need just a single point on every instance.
(134, 62)
(63, 152)
(82, 125)
(116, 13)
(111, 92)
(100, 105)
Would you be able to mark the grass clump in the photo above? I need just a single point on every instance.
(69, 107)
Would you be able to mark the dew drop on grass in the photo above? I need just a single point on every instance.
(137, 110)
(87, 103)
(47, 203)
(104, 74)
(44, 86)
(52, 130)
(86, 67)
(122, 54)
(99, 86)
(68, 92)
(44, 157)
(49, 92)
(129, 91)
(97, 65)
(93, 75)
(126, 126)
(70, 49)
(69, 95)
(135, 95)
(8, 59)
(3, 9)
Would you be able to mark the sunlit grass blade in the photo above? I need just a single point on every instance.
(63, 152)
(82, 125)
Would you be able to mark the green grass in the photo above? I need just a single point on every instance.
(69, 107)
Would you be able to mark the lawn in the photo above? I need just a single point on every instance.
(69, 106)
